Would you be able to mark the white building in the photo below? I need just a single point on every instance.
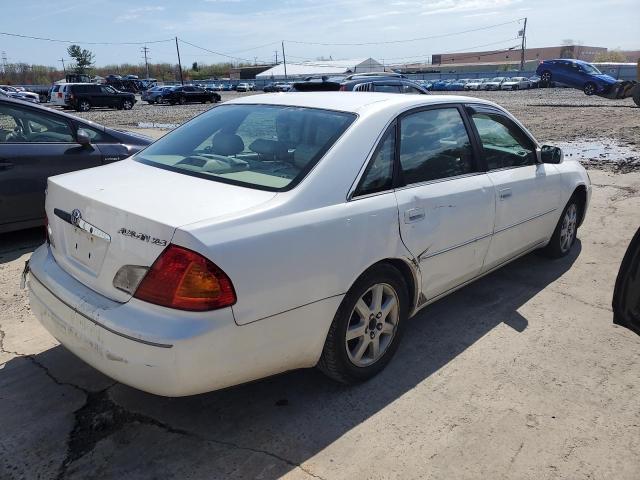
(321, 67)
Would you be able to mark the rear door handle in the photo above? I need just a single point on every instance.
(414, 215)
(505, 193)
(6, 165)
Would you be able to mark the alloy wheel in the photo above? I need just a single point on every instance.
(568, 229)
(372, 325)
(85, 106)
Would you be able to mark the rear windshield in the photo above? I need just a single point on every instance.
(269, 147)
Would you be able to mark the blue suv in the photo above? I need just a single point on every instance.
(576, 74)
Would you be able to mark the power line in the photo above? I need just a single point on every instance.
(214, 52)
(388, 42)
(82, 43)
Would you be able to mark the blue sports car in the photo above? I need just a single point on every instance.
(576, 74)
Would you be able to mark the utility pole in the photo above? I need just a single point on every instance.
(284, 60)
(145, 50)
(523, 34)
(63, 69)
(4, 62)
(276, 52)
(179, 63)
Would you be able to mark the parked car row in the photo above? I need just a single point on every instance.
(181, 94)
(19, 93)
(495, 83)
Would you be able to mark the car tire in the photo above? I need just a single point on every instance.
(151, 102)
(374, 336)
(182, 100)
(545, 78)
(127, 104)
(566, 231)
(589, 88)
(516, 87)
(84, 105)
(636, 97)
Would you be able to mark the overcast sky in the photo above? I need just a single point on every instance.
(237, 27)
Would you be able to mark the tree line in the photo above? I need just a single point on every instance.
(84, 62)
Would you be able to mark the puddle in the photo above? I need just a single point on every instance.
(165, 126)
(607, 154)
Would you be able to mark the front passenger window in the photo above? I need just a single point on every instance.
(504, 144)
(26, 126)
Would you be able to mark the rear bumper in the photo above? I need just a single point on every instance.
(170, 352)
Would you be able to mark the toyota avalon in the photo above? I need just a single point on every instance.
(278, 232)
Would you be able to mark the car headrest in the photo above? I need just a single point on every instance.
(269, 148)
(224, 143)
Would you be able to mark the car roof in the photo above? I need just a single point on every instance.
(354, 102)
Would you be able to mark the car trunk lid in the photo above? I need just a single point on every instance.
(126, 214)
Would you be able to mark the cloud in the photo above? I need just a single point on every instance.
(134, 13)
(454, 6)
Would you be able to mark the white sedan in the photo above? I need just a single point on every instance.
(278, 232)
(516, 83)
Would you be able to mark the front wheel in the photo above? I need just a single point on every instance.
(367, 327)
(589, 88)
(564, 236)
(545, 79)
(84, 105)
(182, 100)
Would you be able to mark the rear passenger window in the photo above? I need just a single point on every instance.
(379, 87)
(504, 144)
(410, 89)
(379, 173)
(434, 144)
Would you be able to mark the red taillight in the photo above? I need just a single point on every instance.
(185, 280)
(59, 94)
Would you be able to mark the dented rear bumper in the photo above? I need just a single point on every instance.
(171, 352)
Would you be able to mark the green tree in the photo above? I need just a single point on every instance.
(83, 58)
(194, 66)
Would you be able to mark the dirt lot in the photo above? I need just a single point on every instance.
(520, 375)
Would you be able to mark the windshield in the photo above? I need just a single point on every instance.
(269, 147)
(497, 79)
(590, 69)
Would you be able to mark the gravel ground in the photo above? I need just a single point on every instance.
(603, 133)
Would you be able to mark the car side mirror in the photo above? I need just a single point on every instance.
(83, 137)
(550, 154)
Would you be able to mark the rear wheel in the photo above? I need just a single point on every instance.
(589, 88)
(564, 236)
(84, 105)
(182, 100)
(127, 104)
(636, 97)
(545, 78)
(367, 327)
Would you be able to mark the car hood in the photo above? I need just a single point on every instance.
(606, 78)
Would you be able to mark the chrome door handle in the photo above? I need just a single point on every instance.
(414, 215)
(505, 193)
